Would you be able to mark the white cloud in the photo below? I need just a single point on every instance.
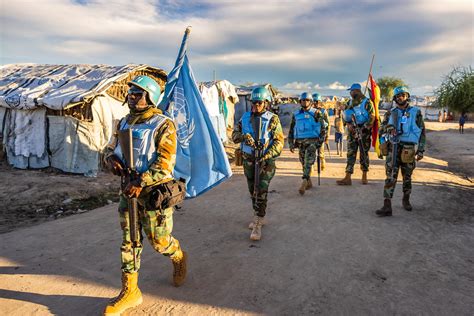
(298, 86)
(78, 48)
(291, 38)
(336, 85)
(321, 57)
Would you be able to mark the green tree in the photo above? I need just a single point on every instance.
(387, 84)
(456, 92)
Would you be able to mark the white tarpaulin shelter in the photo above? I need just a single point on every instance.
(63, 115)
(220, 97)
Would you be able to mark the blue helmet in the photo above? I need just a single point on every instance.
(261, 94)
(317, 97)
(400, 89)
(355, 86)
(306, 96)
(149, 85)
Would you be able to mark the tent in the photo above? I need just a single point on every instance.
(220, 97)
(63, 116)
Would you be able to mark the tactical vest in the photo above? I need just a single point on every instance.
(361, 113)
(408, 130)
(144, 149)
(305, 124)
(247, 128)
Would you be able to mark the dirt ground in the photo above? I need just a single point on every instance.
(322, 253)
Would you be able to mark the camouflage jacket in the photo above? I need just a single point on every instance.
(276, 133)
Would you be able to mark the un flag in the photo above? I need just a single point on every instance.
(200, 157)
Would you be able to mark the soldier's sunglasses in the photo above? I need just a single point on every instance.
(258, 102)
(135, 93)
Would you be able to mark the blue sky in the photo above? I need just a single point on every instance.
(319, 45)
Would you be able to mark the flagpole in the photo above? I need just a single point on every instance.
(370, 71)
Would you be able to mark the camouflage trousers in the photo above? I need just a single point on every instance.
(407, 171)
(353, 146)
(259, 201)
(157, 226)
(307, 153)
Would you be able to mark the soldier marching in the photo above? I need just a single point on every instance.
(307, 134)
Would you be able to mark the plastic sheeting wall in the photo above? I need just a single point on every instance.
(74, 145)
(25, 138)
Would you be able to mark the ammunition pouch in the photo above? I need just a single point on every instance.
(168, 194)
(239, 160)
(408, 153)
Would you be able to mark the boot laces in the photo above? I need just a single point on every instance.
(121, 295)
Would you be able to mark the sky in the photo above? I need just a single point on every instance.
(317, 46)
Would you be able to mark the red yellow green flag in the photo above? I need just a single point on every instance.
(375, 97)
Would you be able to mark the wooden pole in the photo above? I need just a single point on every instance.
(370, 71)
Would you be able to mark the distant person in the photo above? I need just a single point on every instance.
(462, 121)
(406, 128)
(318, 104)
(363, 110)
(307, 133)
(339, 129)
(445, 116)
(440, 117)
(154, 158)
(270, 143)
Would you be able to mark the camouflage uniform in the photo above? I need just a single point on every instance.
(157, 224)
(268, 167)
(406, 168)
(353, 145)
(307, 147)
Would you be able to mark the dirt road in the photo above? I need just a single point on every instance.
(321, 253)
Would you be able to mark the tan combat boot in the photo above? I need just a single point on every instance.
(364, 177)
(179, 267)
(346, 180)
(255, 217)
(302, 188)
(256, 233)
(323, 164)
(309, 184)
(129, 297)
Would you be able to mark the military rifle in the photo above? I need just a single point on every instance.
(395, 141)
(258, 153)
(126, 143)
(318, 163)
(358, 136)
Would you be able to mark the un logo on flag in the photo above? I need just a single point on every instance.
(180, 112)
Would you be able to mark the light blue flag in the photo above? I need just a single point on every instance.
(200, 155)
